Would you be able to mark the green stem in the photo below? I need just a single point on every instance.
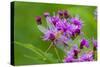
(49, 47)
(57, 53)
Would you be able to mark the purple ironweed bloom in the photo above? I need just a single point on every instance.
(54, 20)
(72, 55)
(94, 44)
(77, 31)
(38, 19)
(75, 51)
(86, 57)
(73, 30)
(69, 59)
(83, 43)
(62, 29)
(46, 14)
(58, 30)
(76, 21)
(49, 36)
(60, 26)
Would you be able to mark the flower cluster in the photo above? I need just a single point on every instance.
(73, 54)
(62, 28)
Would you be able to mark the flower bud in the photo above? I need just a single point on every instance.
(46, 14)
(66, 14)
(60, 13)
(38, 20)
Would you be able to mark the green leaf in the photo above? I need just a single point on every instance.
(46, 57)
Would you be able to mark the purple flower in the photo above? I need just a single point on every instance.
(83, 43)
(75, 51)
(62, 30)
(49, 36)
(77, 31)
(86, 57)
(73, 30)
(58, 30)
(54, 20)
(72, 55)
(76, 21)
(69, 59)
(60, 26)
(94, 44)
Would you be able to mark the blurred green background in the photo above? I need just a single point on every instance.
(29, 47)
